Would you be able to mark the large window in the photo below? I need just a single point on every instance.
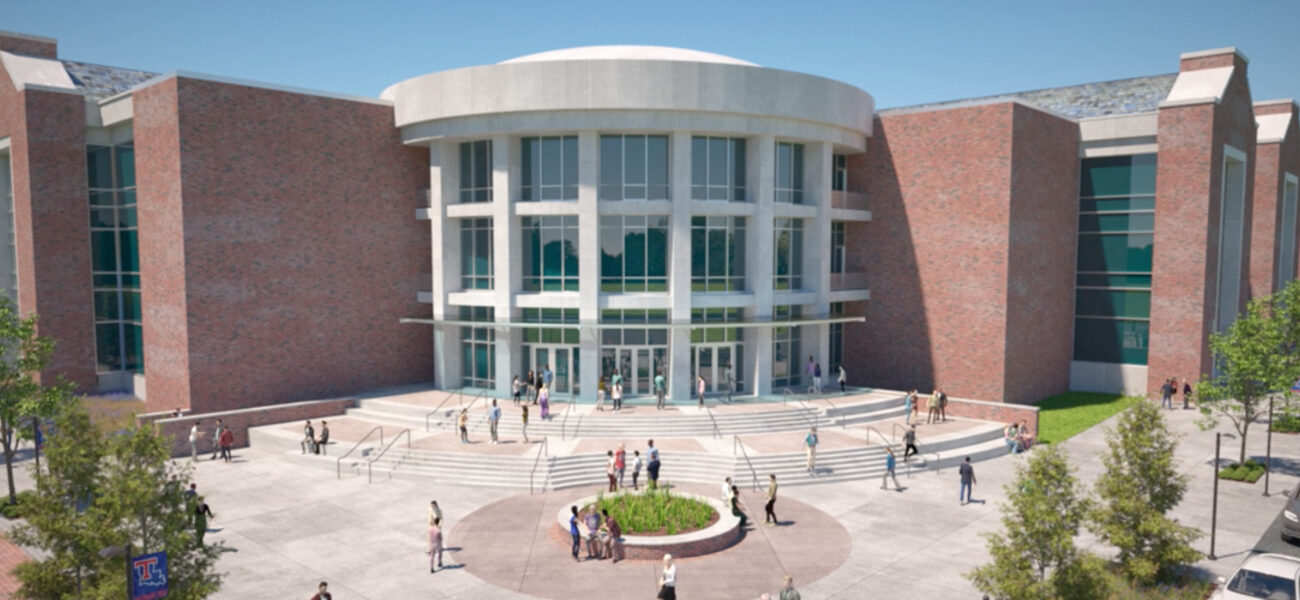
(839, 173)
(1113, 281)
(715, 349)
(785, 349)
(476, 171)
(550, 249)
(640, 328)
(718, 168)
(1286, 245)
(787, 250)
(477, 344)
(789, 173)
(476, 254)
(115, 260)
(717, 254)
(634, 253)
(633, 167)
(1232, 231)
(836, 339)
(551, 335)
(549, 168)
(837, 247)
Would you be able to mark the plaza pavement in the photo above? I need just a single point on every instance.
(286, 527)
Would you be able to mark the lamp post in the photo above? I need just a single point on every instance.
(1268, 452)
(1214, 510)
(112, 551)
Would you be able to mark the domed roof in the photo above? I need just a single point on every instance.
(629, 53)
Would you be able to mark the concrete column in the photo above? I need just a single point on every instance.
(505, 271)
(679, 273)
(444, 185)
(817, 249)
(758, 258)
(588, 260)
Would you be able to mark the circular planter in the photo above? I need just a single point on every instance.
(722, 534)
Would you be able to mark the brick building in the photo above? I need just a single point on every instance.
(216, 244)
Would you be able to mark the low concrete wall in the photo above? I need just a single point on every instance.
(177, 429)
(722, 534)
(999, 412)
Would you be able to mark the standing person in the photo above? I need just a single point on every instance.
(735, 506)
(609, 470)
(817, 378)
(195, 434)
(889, 471)
(435, 545)
(322, 592)
(216, 437)
(909, 440)
(1187, 394)
(652, 468)
(547, 376)
(810, 444)
(967, 473)
(494, 419)
(324, 439)
(726, 489)
(617, 393)
(531, 381)
(600, 394)
(909, 404)
(842, 378)
(1166, 394)
(661, 387)
(435, 520)
(462, 422)
(620, 463)
(668, 580)
(226, 441)
(191, 495)
(515, 388)
(636, 467)
(525, 427)
(933, 406)
(943, 404)
(808, 372)
(729, 380)
(614, 543)
(201, 515)
(594, 545)
(308, 438)
(573, 531)
(770, 507)
(700, 386)
(544, 400)
(787, 590)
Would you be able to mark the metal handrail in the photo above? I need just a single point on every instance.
(564, 422)
(735, 443)
(882, 436)
(439, 407)
(339, 463)
(370, 465)
(540, 452)
(717, 433)
(895, 429)
(816, 417)
(937, 470)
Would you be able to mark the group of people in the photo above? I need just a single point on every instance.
(200, 512)
(1018, 437)
(1170, 389)
(936, 405)
(311, 443)
(617, 464)
(813, 372)
(223, 437)
(534, 388)
(604, 535)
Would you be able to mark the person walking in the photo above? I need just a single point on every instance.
(729, 380)
(909, 441)
(530, 380)
(668, 580)
(1166, 394)
(700, 386)
(967, 473)
(195, 434)
(435, 520)
(308, 443)
(462, 423)
(1187, 394)
(516, 388)
(909, 404)
(810, 445)
(600, 394)
(817, 378)
(226, 441)
(609, 471)
(201, 515)
(620, 463)
(770, 508)
(322, 592)
(943, 404)
(889, 471)
(324, 438)
(216, 437)
(652, 468)
(617, 393)
(548, 376)
(614, 543)
(636, 467)
(933, 408)
(787, 590)
(842, 378)
(494, 419)
(524, 415)
(435, 545)
(661, 388)
(544, 401)
(735, 506)
(573, 531)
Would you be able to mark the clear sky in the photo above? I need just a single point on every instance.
(902, 52)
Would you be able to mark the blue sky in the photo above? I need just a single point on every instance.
(901, 52)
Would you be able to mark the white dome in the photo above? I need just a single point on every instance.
(629, 53)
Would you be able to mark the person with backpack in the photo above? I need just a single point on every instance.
(810, 445)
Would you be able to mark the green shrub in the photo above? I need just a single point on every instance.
(1287, 424)
(14, 510)
(1249, 472)
(655, 511)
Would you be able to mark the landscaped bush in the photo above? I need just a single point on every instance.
(1287, 424)
(1249, 472)
(14, 511)
(656, 512)
(1188, 588)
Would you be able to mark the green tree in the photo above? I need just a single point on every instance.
(23, 355)
(1140, 486)
(101, 491)
(1252, 363)
(1035, 558)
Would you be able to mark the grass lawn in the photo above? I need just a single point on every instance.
(112, 412)
(1064, 416)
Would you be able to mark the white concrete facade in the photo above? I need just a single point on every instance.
(676, 94)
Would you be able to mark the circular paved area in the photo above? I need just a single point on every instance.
(515, 544)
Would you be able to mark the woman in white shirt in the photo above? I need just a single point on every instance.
(668, 580)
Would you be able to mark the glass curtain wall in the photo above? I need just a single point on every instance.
(713, 350)
(633, 167)
(476, 265)
(785, 349)
(634, 253)
(789, 173)
(476, 171)
(478, 348)
(638, 350)
(717, 254)
(550, 253)
(837, 247)
(787, 250)
(115, 260)
(549, 168)
(1113, 281)
(718, 169)
(553, 347)
(839, 173)
(1286, 246)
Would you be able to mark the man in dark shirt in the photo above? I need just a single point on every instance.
(1167, 394)
(967, 473)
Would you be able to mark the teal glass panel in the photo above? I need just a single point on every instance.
(131, 306)
(1115, 252)
(127, 216)
(1111, 340)
(1118, 175)
(738, 169)
(611, 167)
(103, 218)
(103, 250)
(1117, 222)
(99, 166)
(699, 168)
(130, 282)
(134, 350)
(634, 253)
(1131, 304)
(125, 166)
(108, 346)
(109, 280)
(101, 199)
(1117, 204)
(130, 251)
(657, 250)
(106, 306)
(1114, 281)
(570, 147)
(126, 198)
(529, 167)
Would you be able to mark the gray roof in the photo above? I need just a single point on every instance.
(99, 81)
(1119, 97)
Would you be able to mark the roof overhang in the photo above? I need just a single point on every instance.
(601, 326)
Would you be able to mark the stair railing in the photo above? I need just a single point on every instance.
(564, 421)
(339, 463)
(894, 431)
(717, 433)
(370, 465)
(435, 411)
(542, 451)
(815, 416)
(884, 439)
(735, 444)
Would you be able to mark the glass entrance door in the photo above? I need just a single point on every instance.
(563, 362)
(637, 365)
(712, 360)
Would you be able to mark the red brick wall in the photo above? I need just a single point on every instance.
(47, 153)
(1273, 161)
(1226, 59)
(997, 412)
(300, 248)
(1189, 177)
(239, 421)
(30, 47)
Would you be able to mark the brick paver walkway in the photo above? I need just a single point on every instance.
(10, 556)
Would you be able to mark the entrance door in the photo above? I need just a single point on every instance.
(712, 360)
(563, 362)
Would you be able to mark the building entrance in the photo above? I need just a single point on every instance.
(563, 361)
(637, 365)
(711, 361)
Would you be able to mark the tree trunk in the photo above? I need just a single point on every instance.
(1242, 460)
(6, 439)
